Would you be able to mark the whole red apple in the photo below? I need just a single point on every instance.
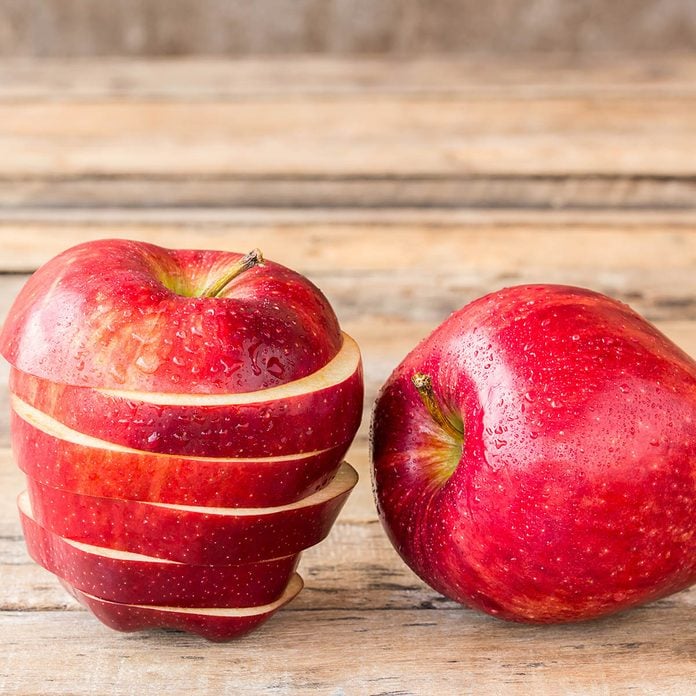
(535, 457)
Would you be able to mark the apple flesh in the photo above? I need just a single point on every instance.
(535, 457)
(190, 534)
(318, 412)
(120, 576)
(57, 456)
(213, 623)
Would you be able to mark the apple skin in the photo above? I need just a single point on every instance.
(573, 494)
(314, 420)
(146, 476)
(122, 314)
(155, 581)
(198, 536)
(208, 624)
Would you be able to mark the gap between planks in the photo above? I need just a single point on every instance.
(28, 196)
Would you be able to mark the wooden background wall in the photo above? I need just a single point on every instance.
(243, 27)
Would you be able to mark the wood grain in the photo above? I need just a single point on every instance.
(233, 27)
(449, 191)
(648, 651)
(612, 75)
(350, 136)
(545, 133)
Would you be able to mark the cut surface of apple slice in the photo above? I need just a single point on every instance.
(193, 534)
(317, 412)
(121, 576)
(58, 456)
(213, 623)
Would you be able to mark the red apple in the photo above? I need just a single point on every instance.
(317, 412)
(55, 455)
(188, 534)
(535, 457)
(187, 406)
(117, 314)
(120, 576)
(213, 623)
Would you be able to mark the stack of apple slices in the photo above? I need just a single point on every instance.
(208, 544)
(181, 509)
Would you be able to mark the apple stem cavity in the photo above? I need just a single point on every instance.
(253, 258)
(424, 385)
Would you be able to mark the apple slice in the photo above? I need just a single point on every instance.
(120, 576)
(58, 456)
(213, 623)
(189, 534)
(317, 412)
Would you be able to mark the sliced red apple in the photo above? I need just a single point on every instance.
(317, 412)
(58, 456)
(133, 578)
(189, 534)
(213, 623)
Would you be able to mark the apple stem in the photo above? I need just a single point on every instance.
(424, 386)
(253, 258)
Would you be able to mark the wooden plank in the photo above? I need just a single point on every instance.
(324, 241)
(538, 75)
(351, 136)
(373, 92)
(647, 651)
(160, 27)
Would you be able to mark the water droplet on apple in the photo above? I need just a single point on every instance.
(253, 351)
(153, 437)
(177, 360)
(147, 363)
(274, 367)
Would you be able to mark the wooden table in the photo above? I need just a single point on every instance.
(404, 190)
